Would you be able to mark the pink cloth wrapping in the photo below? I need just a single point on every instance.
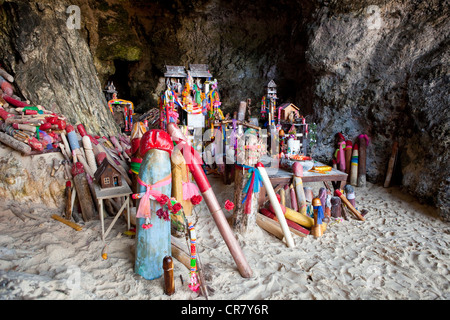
(144, 210)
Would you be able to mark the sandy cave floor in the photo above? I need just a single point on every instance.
(400, 252)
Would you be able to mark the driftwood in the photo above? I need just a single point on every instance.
(13, 120)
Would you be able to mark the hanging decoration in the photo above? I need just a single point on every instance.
(128, 110)
(194, 284)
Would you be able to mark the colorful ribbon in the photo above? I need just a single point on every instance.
(135, 165)
(253, 185)
(365, 136)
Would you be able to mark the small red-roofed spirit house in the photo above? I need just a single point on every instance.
(107, 176)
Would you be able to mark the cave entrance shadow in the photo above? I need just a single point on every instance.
(121, 78)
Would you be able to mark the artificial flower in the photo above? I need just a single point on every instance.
(163, 199)
(176, 207)
(162, 214)
(196, 199)
(229, 205)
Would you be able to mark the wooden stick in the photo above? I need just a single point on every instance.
(354, 166)
(294, 204)
(276, 205)
(349, 205)
(273, 227)
(391, 164)
(300, 194)
(249, 153)
(69, 203)
(283, 196)
(66, 222)
(292, 225)
(84, 196)
(180, 176)
(362, 161)
(15, 144)
(169, 283)
(336, 207)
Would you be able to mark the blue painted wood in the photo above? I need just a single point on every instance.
(153, 244)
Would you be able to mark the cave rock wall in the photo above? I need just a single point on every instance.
(52, 63)
(382, 69)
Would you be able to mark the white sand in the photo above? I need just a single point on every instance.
(400, 252)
